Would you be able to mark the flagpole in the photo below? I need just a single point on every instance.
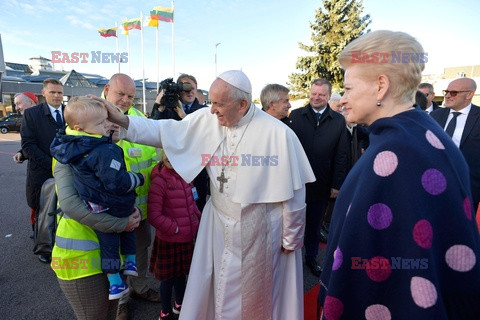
(173, 39)
(116, 47)
(143, 65)
(158, 61)
(128, 50)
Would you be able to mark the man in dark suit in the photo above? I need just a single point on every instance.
(39, 126)
(276, 102)
(427, 90)
(323, 134)
(461, 120)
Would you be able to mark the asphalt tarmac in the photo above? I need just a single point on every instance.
(29, 288)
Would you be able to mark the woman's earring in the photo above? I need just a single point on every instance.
(379, 103)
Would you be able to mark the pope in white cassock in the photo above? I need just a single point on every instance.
(247, 260)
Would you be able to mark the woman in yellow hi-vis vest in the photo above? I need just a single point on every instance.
(76, 254)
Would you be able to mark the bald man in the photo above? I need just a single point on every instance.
(120, 91)
(461, 120)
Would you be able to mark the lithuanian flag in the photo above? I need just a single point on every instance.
(162, 13)
(132, 24)
(110, 32)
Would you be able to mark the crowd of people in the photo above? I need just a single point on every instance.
(232, 193)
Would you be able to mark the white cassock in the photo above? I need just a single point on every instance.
(238, 270)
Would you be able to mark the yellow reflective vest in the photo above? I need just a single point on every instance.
(139, 158)
(76, 252)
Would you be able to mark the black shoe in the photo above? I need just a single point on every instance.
(314, 267)
(44, 259)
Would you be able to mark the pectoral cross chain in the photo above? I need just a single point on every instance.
(222, 179)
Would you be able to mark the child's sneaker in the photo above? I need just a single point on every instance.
(130, 269)
(167, 316)
(118, 291)
(177, 307)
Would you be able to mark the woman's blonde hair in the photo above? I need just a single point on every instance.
(396, 54)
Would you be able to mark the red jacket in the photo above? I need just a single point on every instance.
(171, 206)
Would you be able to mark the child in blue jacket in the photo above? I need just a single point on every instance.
(102, 180)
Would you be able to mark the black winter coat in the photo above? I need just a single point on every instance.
(326, 144)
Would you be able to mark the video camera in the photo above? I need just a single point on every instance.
(171, 92)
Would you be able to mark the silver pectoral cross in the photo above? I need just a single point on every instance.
(222, 179)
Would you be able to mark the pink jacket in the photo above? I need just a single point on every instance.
(171, 206)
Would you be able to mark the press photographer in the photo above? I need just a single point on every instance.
(175, 101)
(183, 90)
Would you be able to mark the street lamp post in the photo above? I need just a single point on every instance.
(216, 58)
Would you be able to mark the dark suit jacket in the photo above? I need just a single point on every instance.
(435, 106)
(469, 144)
(37, 131)
(326, 145)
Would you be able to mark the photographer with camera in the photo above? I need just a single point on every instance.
(184, 91)
(175, 101)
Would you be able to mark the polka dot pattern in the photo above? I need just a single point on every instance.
(467, 208)
(378, 269)
(460, 258)
(433, 140)
(434, 182)
(385, 163)
(379, 216)
(423, 234)
(423, 292)
(333, 308)
(377, 312)
(337, 259)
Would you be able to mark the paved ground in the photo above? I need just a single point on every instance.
(28, 288)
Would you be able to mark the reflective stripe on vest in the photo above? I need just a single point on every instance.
(136, 167)
(141, 200)
(76, 244)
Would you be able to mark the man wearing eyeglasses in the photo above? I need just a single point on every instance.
(461, 120)
(427, 90)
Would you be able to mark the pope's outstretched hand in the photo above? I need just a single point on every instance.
(115, 114)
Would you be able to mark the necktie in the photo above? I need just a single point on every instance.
(58, 118)
(452, 124)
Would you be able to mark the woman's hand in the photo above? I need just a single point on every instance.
(133, 220)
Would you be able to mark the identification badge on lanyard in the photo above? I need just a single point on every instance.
(135, 152)
(195, 193)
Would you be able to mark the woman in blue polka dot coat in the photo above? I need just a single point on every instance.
(403, 240)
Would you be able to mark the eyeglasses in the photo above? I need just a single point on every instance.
(453, 93)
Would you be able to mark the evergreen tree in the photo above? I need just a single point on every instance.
(338, 23)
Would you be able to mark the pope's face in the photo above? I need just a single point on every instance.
(228, 111)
